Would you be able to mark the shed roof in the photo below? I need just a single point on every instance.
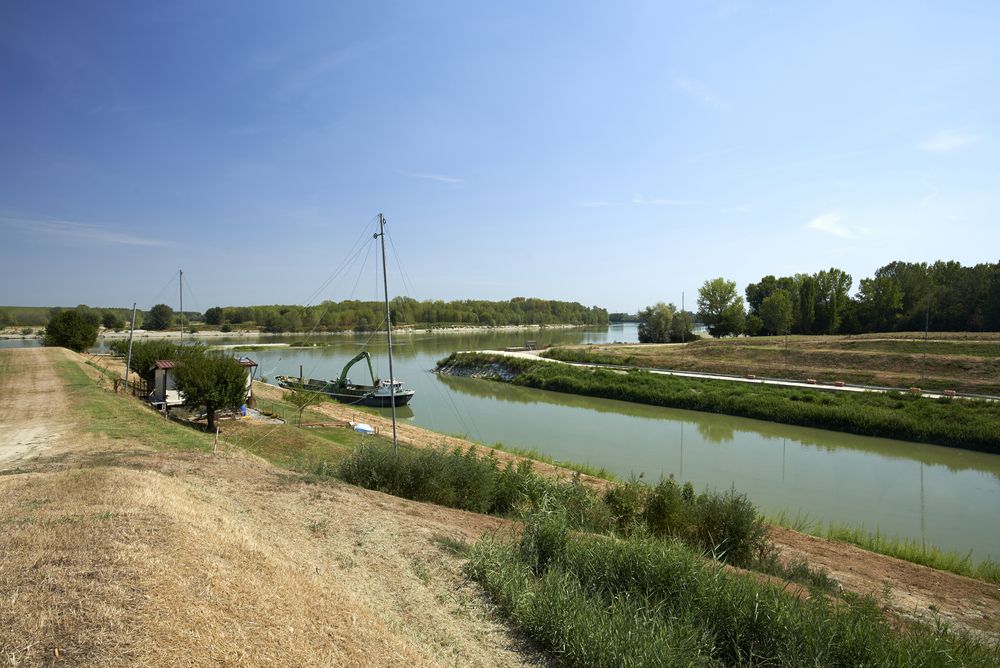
(164, 364)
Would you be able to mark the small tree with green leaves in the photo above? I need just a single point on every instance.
(303, 399)
(654, 323)
(211, 380)
(160, 317)
(71, 329)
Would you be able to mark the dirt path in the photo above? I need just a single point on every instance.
(34, 406)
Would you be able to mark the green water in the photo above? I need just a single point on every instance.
(942, 496)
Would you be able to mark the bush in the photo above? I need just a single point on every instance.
(71, 329)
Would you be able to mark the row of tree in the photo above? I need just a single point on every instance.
(901, 296)
(366, 315)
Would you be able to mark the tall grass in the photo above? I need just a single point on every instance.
(970, 424)
(551, 578)
(723, 525)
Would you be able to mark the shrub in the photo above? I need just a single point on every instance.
(71, 329)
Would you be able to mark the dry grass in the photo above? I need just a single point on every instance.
(114, 554)
(959, 361)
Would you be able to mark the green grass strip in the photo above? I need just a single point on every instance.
(969, 424)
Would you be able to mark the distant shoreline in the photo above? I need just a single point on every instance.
(248, 334)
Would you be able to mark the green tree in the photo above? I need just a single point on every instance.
(720, 307)
(160, 317)
(776, 312)
(654, 323)
(303, 399)
(211, 380)
(680, 327)
(213, 316)
(881, 300)
(71, 329)
(112, 320)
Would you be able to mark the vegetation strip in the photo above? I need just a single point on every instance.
(969, 424)
(575, 593)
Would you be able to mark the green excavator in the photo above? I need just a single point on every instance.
(379, 393)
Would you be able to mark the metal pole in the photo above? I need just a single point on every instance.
(388, 329)
(128, 360)
(181, 272)
(927, 324)
(684, 321)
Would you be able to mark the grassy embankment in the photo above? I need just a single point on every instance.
(959, 361)
(968, 424)
(319, 451)
(620, 578)
(638, 601)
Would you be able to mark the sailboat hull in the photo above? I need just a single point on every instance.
(358, 395)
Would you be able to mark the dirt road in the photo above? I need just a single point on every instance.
(34, 409)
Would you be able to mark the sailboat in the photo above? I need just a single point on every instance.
(381, 393)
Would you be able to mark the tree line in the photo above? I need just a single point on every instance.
(901, 296)
(367, 315)
(329, 315)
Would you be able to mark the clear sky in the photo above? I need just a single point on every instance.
(613, 153)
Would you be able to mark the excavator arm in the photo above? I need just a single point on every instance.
(342, 381)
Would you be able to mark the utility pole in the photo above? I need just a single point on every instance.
(927, 325)
(388, 329)
(181, 272)
(684, 321)
(128, 360)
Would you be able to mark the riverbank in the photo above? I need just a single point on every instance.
(958, 361)
(968, 424)
(139, 505)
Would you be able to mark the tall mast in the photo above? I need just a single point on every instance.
(181, 272)
(128, 360)
(388, 330)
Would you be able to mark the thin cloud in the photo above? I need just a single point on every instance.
(638, 199)
(98, 234)
(737, 208)
(947, 141)
(830, 224)
(929, 197)
(440, 178)
(697, 91)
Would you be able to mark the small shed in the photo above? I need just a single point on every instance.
(165, 384)
(251, 370)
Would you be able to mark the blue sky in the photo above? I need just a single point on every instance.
(609, 153)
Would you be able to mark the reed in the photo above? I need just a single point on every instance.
(716, 617)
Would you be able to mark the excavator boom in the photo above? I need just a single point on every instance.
(342, 381)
